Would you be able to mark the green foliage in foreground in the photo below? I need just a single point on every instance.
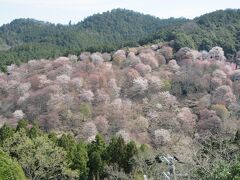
(218, 159)
(45, 156)
(10, 169)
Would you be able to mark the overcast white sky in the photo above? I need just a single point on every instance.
(62, 11)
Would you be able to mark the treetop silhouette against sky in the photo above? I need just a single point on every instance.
(62, 11)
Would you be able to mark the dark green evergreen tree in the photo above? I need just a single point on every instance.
(22, 124)
(131, 151)
(80, 159)
(96, 154)
(34, 131)
(5, 132)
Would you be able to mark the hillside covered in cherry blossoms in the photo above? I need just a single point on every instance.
(146, 94)
(121, 95)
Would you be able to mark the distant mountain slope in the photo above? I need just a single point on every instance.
(24, 31)
(123, 25)
(32, 39)
(29, 38)
(113, 28)
(220, 28)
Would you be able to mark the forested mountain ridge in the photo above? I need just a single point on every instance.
(32, 39)
(116, 25)
(219, 28)
(68, 117)
(25, 39)
(126, 24)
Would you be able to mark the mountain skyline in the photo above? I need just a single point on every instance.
(155, 82)
(63, 12)
(25, 39)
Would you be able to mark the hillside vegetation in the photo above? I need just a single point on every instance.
(188, 106)
(32, 39)
(25, 39)
(219, 28)
(67, 117)
(10, 169)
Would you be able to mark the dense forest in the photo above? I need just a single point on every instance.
(74, 106)
(219, 28)
(46, 156)
(25, 39)
(32, 39)
(188, 107)
(26, 152)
